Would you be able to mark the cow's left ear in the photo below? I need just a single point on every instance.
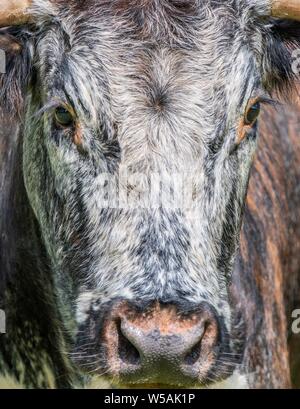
(16, 53)
(281, 56)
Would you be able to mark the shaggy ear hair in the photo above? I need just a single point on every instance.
(281, 60)
(16, 48)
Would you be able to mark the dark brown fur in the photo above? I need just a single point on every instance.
(267, 277)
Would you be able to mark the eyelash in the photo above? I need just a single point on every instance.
(269, 101)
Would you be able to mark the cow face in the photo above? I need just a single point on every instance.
(140, 131)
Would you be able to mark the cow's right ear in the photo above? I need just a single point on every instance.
(16, 54)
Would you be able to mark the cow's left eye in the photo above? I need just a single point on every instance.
(252, 113)
(63, 117)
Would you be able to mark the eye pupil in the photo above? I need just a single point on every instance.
(63, 117)
(252, 114)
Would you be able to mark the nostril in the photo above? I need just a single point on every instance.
(194, 354)
(126, 350)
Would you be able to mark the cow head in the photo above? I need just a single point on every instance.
(140, 126)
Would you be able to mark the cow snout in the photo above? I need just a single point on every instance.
(161, 345)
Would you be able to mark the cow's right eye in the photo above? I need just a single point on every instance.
(252, 113)
(63, 117)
